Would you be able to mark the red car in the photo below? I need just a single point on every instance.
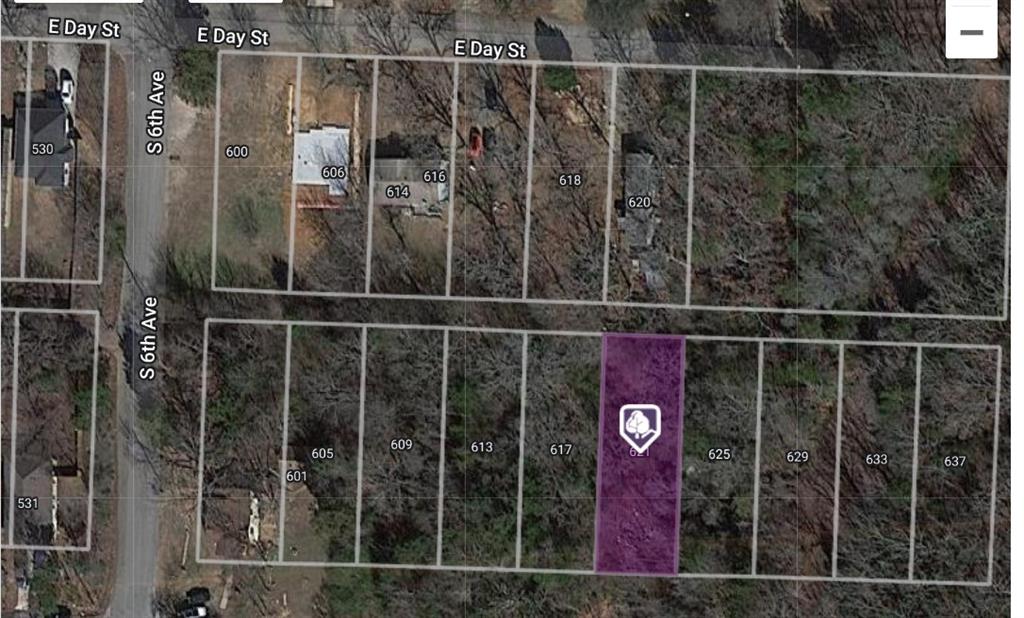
(476, 143)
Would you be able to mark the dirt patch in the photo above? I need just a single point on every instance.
(190, 181)
(254, 190)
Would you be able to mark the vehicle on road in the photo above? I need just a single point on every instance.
(67, 87)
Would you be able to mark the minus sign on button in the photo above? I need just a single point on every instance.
(972, 33)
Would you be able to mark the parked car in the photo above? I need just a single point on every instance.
(476, 143)
(67, 87)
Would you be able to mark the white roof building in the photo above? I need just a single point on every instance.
(319, 148)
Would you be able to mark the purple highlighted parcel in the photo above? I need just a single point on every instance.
(640, 454)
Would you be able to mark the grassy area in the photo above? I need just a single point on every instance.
(195, 75)
(560, 79)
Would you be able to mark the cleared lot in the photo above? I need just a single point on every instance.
(254, 170)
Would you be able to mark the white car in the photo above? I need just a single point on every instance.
(67, 87)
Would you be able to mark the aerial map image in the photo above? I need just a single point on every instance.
(507, 308)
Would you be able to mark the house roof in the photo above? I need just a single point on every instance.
(639, 179)
(422, 197)
(36, 481)
(48, 126)
(319, 148)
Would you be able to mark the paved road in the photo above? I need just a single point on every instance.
(138, 508)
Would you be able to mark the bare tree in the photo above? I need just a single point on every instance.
(317, 28)
(15, 18)
(242, 16)
(169, 25)
(616, 45)
(616, 26)
(437, 25)
(334, 155)
(382, 32)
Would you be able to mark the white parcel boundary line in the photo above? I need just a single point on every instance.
(4, 426)
(49, 39)
(531, 132)
(608, 181)
(45, 280)
(522, 450)
(580, 63)
(283, 466)
(202, 442)
(451, 179)
(919, 346)
(216, 177)
(372, 176)
(8, 172)
(612, 303)
(995, 466)
(103, 164)
(1002, 316)
(15, 361)
(295, 120)
(359, 450)
(602, 374)
(689, 184)
(98, 279)
(633, 65)
(914, 465)
(756, 508)
(14, 427)
(26, 160)
(838, 463)
(582, 572)
(61, 548)
(440, 466)
(92, 429)
(1007, 216)
(583, 333)
(49, 311)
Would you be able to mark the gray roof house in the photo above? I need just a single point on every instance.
(638, 225)
(50, 147)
